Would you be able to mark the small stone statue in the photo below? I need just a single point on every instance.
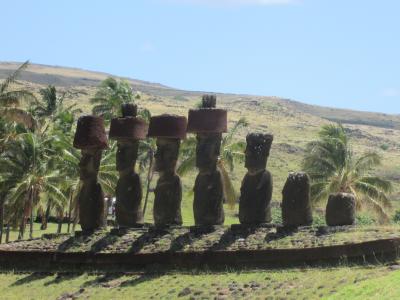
(256, 189)
(296, 206)
(340, 209)
(208, 123)
(128, 130)
(91, 138)
(169, 131)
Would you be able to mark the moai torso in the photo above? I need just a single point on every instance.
(167, 201)
(169, 130)
(255, 198)
(128, 130)
(91, 206)
(256, 189)
(296, 205)
(128, 210)
(208, 199)
(91, 138)
(208, 122)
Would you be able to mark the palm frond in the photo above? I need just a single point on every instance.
(13, 77)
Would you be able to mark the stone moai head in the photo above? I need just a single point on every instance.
(257, 151)
(127, 130)
(90, 137)
(166, 155)
(208, 150)
(208, 122)
(89, 164)
(169, 131)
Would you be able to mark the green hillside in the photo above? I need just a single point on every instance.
(292, 123)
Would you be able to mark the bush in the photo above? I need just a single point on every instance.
(396, 217)
(384, 147)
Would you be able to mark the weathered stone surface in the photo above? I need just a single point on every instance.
(167, 201)
(208, 199)
(128, 131)
(90, 133)
(91, 197)
(296, 206)
(340, 209)
(168, 126)
(207, 119)
(128, 128)
(169, 130)
(209, 123)
(128, 208)
(256, 189)
(255, 198)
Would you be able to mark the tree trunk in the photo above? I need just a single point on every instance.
(149, 178)
(70, 211)
(45, 217)
(8, 233)
(59, 225)
(31, 225)
(21, 229)
(1, 218)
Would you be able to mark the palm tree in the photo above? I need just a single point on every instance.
(333, 167)
(10, 99)
(27, 165)
(232, 151)
(110, 96)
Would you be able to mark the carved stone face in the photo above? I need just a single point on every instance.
(166, 155)
(255, 157)
(90, 163)
(208, 150)
(126, 155)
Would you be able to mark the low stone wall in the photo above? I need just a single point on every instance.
(384, 249)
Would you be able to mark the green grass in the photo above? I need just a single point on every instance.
(51, 228)
(356, 282)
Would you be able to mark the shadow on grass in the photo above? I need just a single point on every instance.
(141, 278)
(103, 280)
(63, 277)
(32, 277)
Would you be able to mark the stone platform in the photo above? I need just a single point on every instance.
(237, 246)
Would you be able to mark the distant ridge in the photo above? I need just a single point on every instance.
(74, 77)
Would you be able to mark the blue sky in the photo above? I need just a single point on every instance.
(338, 53)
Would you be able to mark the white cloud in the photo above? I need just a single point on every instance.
(236, 2)
(391, 92)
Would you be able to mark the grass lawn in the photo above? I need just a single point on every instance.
(37, 233)
(357, 282)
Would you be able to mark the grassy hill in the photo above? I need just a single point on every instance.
(292, 123)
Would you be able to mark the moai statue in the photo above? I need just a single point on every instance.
(91, 138)
(128, 130)
(208, 123)
(340, 209)
(256, 189)
(169, 131)
(296, 206)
